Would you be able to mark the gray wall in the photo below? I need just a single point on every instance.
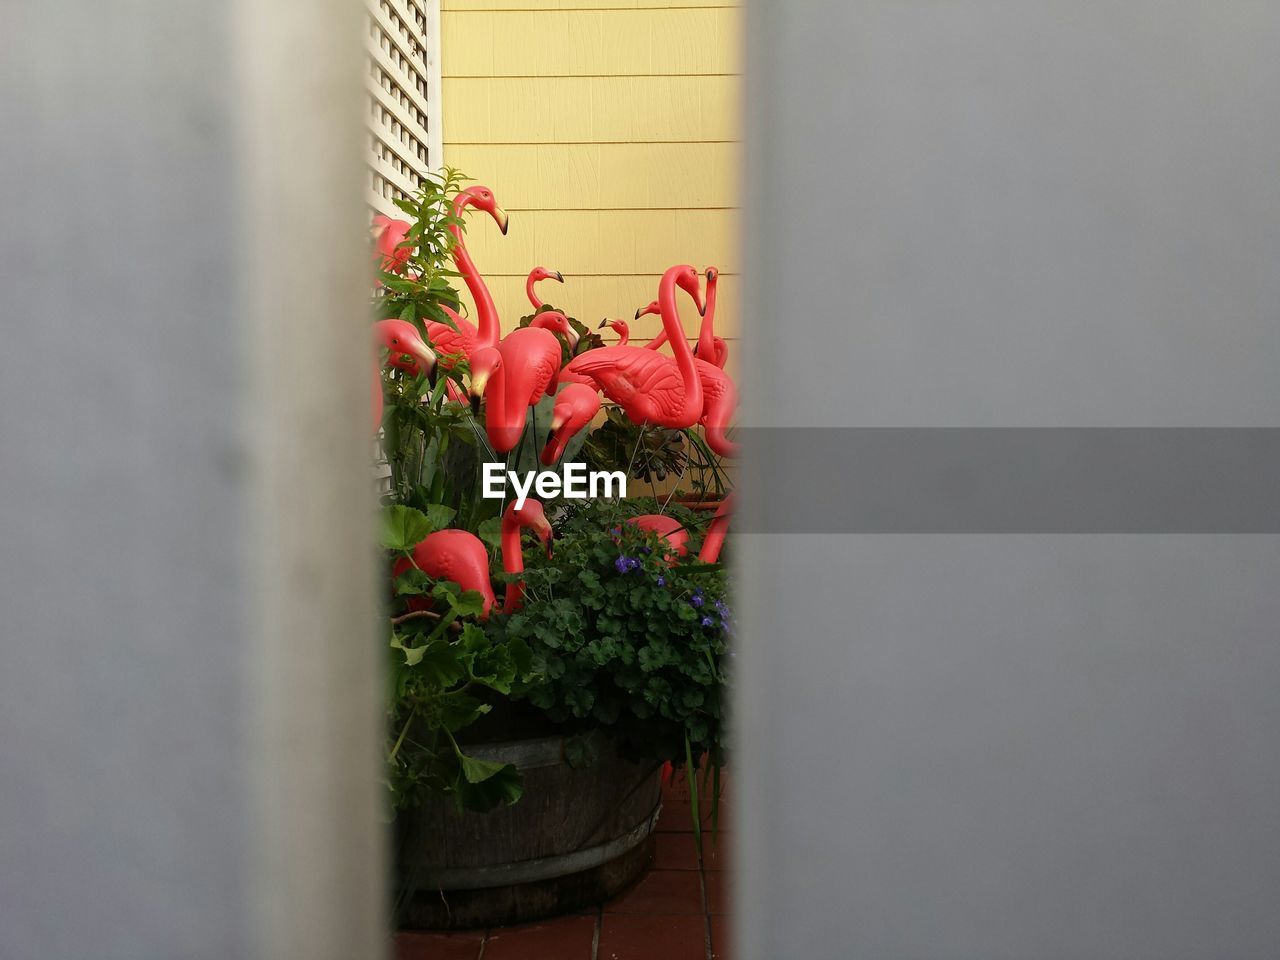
(981, 213)
(188, 713)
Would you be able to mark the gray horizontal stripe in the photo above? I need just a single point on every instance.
(1010, 480)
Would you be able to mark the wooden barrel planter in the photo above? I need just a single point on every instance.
(577, 837)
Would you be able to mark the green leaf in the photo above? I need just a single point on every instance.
(403, 528)
(478, 771)
(413, 583)
(502, 785)
(490, 531)
(440, 516)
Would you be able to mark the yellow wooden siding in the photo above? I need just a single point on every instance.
(609, 130)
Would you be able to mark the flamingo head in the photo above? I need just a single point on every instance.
(485, 362)
(651, 310)
(686, 278)
(575, 406)
(557, 322)
(400, 337)
(482, 199)
(617, 326)
(542, 273)
(532, 517)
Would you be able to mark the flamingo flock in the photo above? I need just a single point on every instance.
(509, 374)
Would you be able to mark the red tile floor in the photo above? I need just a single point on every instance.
(677, 911)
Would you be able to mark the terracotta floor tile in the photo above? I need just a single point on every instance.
(438, 946)
(565, 938)
(652, 938)
(717, 892)
(720, 946)
(717, 852)
(675, 851)
(665, 892)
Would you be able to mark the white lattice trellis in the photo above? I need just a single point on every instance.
(403, 44)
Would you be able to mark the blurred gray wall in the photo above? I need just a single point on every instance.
(985, 213)
(189, 725)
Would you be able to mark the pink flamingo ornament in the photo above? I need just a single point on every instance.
(671, 530)
(649, 387)
(529, 516)
(453, 555)
(719, 394)
(576, 406)
(530, 365)
(711, 348)
(536, 275)
(400, 338)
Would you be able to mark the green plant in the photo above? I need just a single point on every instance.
(443, 666)
(625, 637)
(415, 293)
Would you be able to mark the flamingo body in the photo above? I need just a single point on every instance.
(389, 242)
(453, 342)
(649, 387)
(454, 555)
(671, 530)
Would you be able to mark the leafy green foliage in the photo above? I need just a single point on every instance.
(646, 452)
(443, 667)
(416, 293)
(626, 638)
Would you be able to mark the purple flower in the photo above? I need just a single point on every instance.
(708, 622)
(645, 550)
(622, 564)
(661, 581)
(696, 600)
(616, 531)
(633, 563)
(722, 608)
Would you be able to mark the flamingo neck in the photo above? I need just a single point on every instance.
(512, 562)
(714, 541)
(486, 311)
(529, 292)
(674, 330)
(706, 333)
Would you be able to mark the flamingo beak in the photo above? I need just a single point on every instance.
(639, 312)
(500, 216)
(426, 358)
(544, 531)
(573, 341)
(478, 382)
(559, 276)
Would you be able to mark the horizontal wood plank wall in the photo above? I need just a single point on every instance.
(609, 131)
